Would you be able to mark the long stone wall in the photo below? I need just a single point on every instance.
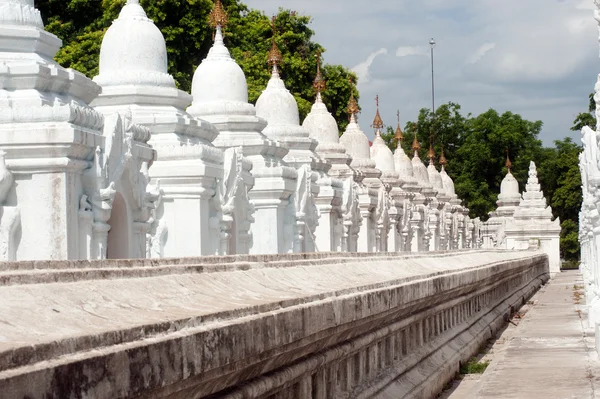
(303, 325)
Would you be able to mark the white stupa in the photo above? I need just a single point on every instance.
(133, 75)
(508, 200)
(533, 222)
(421, 173)
(323, 128)
(357, 146)
(220, 96)
(278, 106)
(368, 177)
(48, 133)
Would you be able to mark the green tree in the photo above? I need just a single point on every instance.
(586, 118)
(81, 24)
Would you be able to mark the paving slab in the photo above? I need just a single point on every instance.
(549, 354)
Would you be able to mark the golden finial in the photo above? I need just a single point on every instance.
(443, 161)
(319, 83)
(399, 136)
(415, 145)
(274, 58)
(377, 122)
(431, 152)
(352, 105)
(218, 16)
(508, 164)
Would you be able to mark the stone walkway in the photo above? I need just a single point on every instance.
(549, 354)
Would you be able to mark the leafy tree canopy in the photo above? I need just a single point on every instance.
(586, 118)
(81, 25)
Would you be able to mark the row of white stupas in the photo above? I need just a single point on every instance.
(118, 167)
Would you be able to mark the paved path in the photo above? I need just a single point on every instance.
(549, 354)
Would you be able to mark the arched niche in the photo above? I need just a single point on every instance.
(117, 246)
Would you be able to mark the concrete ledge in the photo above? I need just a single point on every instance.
(248, 330)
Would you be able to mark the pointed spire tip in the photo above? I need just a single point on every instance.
(218, 16)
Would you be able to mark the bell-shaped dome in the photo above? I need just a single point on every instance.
(434, 177)
(133, 51)
(509, 188)
(419, 170)
(219, 77)
(403, 164)
(276, 104)
(447, 182)
(382, 155)
(321, 124)
(355, 141)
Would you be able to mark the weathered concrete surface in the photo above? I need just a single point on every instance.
(550, 354)
(323, 325)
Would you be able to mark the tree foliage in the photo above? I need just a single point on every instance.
(586, 118)
(81, 24)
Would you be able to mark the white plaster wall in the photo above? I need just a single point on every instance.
(186, 233)
(49, 204)
(120, 241)
(267, 233)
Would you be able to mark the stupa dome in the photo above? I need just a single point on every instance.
(133, 51)
(447, 182)
(434, 177)
(419, 170)
(509, 188)
(402, 162)
(219, 77)
(355, 141)
(276, 104)
(382, 155)
(321, 124)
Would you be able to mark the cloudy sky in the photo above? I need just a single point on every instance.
(538, 58)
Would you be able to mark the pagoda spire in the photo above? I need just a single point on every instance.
(377, 121)
(274, 58)
(415, 145)
(319, 83)
(217, 17)
(352, 104)
(399, 136)
(443, 161)
(508, 164)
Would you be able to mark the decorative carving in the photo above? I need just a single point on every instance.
(158, 232)
(382, 219)
(232, 204)
(218, 16)
(307, 214)
(117, 161)
(351, 217)
(20, 14)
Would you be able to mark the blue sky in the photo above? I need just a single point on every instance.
(538, 58)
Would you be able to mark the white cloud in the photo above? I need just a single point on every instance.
(362, 69)
(405, 51)
(480, 52)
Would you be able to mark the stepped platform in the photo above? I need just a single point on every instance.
(301, 325)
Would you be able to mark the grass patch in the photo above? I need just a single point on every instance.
(473, 367)
(570, 265)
